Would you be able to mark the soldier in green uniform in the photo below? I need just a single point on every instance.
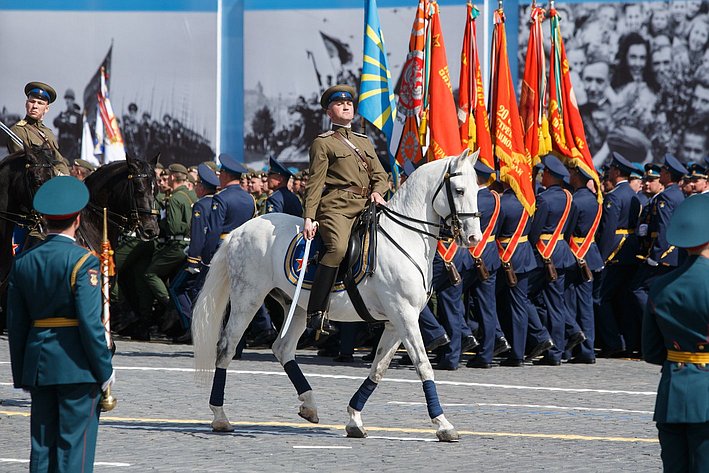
(31, 130)
(345, 175)
(58, 346)
(676, 336)
(175, 228)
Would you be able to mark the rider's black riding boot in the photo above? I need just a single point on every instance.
(319, 301)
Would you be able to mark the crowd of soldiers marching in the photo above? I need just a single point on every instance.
(571, 285)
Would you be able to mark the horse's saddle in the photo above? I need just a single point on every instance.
(359, 260)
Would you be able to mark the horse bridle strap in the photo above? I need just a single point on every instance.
(398, 247)
(454, 216)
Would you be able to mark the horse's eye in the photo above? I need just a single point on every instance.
(460, 191)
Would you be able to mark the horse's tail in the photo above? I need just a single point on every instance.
(209, 312)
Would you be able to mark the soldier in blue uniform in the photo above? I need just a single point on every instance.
(186, 285)
(635, 180)
(578, 290)
(675, 336)
(485, 263)
(661, 256)
(281, 200)
(698, 174)
(58, 347)
(618, 245)
(232, 206)
(512, 279)
(552, 255)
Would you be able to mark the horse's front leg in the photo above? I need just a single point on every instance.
(386, 349)
(284, 349)
(411, 337)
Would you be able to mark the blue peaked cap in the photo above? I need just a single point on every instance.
(675, 166)
(483, 169)
(232, 165)
(207, 176)
(277, 168)
(554, 166)
(621, 163)
(61, 197)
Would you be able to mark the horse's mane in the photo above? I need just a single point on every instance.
(411, 194)
(105, 174)
(20, 156)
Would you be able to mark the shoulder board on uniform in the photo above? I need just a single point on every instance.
(361, 135)
(326, 134)
(21, 123)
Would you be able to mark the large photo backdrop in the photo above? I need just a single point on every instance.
(163, 75)
(640, 72)
(292, 56)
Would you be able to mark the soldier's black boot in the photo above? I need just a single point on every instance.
(319, 301)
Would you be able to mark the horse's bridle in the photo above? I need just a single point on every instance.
(130, 223)
(454, 217)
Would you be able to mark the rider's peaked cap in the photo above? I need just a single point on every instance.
(207, 176)
(689, 226)
(230, 164)
(337, 93)
(61, 197)
(41, 90)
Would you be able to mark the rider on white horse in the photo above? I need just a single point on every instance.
(345, 174)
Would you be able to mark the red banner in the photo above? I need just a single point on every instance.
(513, 158)
(472, 114)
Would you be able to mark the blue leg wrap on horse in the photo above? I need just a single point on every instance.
(296, 376)
(360, 397)
(217, 396)
(432, 403)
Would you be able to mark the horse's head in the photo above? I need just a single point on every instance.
(456, 199)
(142, 188)
(39, 166)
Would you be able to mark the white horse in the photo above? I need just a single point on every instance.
(249, 266)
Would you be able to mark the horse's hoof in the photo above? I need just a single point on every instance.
(447, 435)
(222, 426)
(309, 414)
(355, 431)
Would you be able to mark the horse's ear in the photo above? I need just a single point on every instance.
(468, 154)
(475, 155)
(154, 161)
(29, 154)
(129, 158)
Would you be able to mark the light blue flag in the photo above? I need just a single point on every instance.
(376, 92)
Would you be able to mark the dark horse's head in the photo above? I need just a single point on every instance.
(127, 190)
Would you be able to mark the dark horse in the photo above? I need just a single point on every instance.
(21, 174)
(127, 190)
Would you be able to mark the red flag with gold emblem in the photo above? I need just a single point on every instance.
(472, 114)
(531, 103)
(512, 157)
(441, 111)
(568, 134)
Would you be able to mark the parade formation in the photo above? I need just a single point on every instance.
(490, 240)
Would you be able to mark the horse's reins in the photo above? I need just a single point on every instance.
(454, 216)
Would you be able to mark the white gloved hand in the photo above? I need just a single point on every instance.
(642, 229)
(109, 381)
(652, 262)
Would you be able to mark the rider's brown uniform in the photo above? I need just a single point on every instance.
(334, 166)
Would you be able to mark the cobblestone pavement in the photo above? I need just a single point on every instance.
(571, 418)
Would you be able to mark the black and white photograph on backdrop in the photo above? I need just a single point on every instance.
(159, 70)
(282, 112)
(640, 72)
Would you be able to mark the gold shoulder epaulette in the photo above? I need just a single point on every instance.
(21, 123)
(326, 134)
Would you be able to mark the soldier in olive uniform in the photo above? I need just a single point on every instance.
(31, 130)
(345, 175)
(675, 334)
(176, 229)
(69, 125)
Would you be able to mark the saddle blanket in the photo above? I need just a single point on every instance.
(294, 261)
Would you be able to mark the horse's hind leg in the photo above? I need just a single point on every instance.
(239, 318)
(411, 337)
(386, 349)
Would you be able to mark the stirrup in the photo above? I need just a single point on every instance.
(319, 321)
